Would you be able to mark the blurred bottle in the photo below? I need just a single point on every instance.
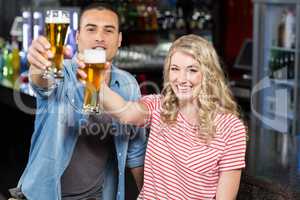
(273, 63)
(132, 17)
(15, 60)
(1, 58)
(291, 65)
(196, 20)
(153, 16)
(23, 61)
(286, 30)
(7, 68)
(24, 84)
(180, 23)
(142, 17)
(282, 64)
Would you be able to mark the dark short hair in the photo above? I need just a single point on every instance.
(101, 6)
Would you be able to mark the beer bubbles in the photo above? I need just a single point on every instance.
(95, 69)
(56, 26)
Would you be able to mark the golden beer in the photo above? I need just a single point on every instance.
(95, 69)
(56, 26)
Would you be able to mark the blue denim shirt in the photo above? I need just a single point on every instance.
(56, 131)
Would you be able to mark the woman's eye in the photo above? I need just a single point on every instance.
(193, 70)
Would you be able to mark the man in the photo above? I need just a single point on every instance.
(72, 156)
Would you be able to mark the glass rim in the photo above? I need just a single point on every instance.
(57, 16)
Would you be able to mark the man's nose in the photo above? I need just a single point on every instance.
(100, 36)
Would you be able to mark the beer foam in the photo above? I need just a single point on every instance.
(94, 55)
(57, 17)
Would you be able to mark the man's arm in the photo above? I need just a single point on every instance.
(138, 174)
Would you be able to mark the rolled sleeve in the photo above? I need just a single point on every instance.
(41, 92)
(136, 147)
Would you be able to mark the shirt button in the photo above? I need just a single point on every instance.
(73, 100)
(120, 173)
(120, 154)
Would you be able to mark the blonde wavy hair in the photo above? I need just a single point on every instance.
(213, 95)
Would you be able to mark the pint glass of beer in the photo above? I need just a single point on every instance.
(56, 26)
(94, 60)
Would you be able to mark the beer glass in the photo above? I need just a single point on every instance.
(56, 26)
(94, 60)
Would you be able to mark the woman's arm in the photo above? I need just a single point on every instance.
(228, 185)
(138, 174)
(128, 112)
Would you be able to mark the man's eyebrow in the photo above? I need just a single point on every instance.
(93, 25)
(106, 26)
(110, 26)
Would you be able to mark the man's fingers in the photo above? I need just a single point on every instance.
(67, 52)
(38, 61)
(81, 73)
(107, 65)
(80, 60)
(43, 46)
(34, 56)
(37, 46)
(39, 53)
(44, 42)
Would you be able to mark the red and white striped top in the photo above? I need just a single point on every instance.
(179, 166)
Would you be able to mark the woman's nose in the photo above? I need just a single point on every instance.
(182, 76)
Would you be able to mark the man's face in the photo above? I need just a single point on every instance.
(99, 29)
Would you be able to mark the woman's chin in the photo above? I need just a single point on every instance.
(184, 97)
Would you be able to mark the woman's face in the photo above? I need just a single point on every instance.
(184, 75)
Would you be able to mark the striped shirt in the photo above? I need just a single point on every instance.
(178, 165)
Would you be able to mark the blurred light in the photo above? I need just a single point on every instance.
(75, 20)
(26, 14)
(36, 15)
(25, 36)
(36, 29)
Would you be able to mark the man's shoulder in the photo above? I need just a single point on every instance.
(122, 76)
(125, 84)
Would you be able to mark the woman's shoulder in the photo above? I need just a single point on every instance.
(153, 101)
(228, 123)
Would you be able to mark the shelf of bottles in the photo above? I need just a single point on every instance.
(274, 145)
(165, 20)
(279, 71)
(160, 16)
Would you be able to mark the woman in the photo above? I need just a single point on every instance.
(197, 143)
